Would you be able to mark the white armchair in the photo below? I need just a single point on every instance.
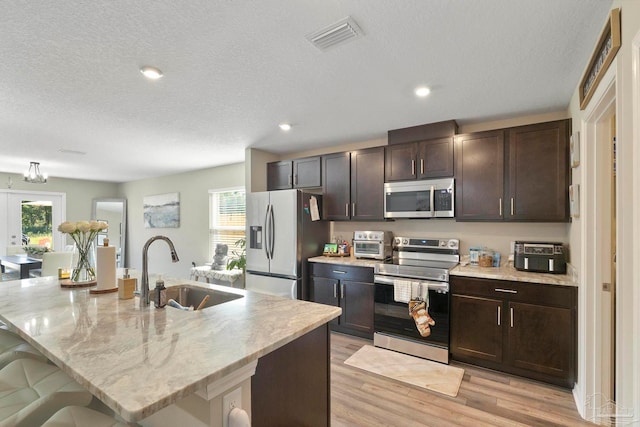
(51, 262)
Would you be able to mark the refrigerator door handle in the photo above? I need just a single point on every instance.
(273, 232)
(266, 232)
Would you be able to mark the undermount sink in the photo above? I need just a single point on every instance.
(189, 295)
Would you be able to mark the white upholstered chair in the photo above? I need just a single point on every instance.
(51, 262)
(31, 392)
(13, 347)
(79, 416)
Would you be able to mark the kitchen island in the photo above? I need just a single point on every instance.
(145, 361)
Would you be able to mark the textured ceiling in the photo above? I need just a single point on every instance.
(234, 69)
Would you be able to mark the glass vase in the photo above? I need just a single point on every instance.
(84, 262)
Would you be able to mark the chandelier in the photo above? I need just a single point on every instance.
(34, 175)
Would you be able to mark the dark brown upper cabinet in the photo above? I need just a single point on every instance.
(352, 184)
(419, 160)
(420, 152)
(297, 173)
(514, 174)
(480, 176)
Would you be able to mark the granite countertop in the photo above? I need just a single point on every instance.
(504, 272)
(345, 260)
(138, 361)
(508, 272)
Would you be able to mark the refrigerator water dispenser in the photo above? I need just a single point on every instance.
(255, 237)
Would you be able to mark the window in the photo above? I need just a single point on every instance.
(227, 218)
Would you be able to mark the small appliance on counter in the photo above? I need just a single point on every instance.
(372, 244)
(541, 257)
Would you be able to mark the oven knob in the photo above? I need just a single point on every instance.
(452, 244)
(405, 241)
(443, 243)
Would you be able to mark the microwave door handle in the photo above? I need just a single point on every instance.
(431, 200)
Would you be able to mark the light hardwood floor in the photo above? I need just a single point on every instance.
(486, 398)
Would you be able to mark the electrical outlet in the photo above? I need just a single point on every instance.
(230, 400)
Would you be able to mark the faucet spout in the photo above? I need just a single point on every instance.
(144, 286)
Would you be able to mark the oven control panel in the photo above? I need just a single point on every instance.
(413, 242)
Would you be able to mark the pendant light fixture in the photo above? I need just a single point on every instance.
(34, 175)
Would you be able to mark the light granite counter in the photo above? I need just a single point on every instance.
(508, 272)
(139, 361)
(345, 260)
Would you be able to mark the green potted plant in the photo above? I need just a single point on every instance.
(239, 259)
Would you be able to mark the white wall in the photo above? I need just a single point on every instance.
(191, 239)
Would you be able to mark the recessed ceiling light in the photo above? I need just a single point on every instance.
(285, 126)
(422, 91)
(151, 72)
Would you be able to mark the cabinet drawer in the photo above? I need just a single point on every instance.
(532, 293)
(342, 272)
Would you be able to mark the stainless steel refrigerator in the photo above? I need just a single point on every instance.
(281, 235)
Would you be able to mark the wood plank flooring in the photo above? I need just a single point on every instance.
(486, 398)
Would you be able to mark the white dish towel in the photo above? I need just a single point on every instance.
(402, 290)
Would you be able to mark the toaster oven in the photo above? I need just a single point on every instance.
(372, 244)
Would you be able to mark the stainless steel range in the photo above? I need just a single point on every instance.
(418, 272)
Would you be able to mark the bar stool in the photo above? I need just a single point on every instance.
(79, 416)
(32, 391)
(13, 347)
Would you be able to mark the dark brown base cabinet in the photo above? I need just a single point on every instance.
(520, 328)
(347, 287)
(291, 386)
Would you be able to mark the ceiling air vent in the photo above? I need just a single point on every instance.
(335, 34)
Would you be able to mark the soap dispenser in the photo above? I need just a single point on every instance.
(160, 293)
(126, 286)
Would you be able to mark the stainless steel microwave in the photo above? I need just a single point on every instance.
(433, 198)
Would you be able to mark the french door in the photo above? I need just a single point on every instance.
(13, 205)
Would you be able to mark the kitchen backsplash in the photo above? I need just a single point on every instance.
(497, 236)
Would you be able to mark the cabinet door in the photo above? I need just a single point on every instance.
(541, 340)
(367, 184)
(435, 158)
(356, 301)
(476, 328)
(400, 162)
(279, 175)
(479, 176)
(539, 172)
(336, 186)
(307, 172)
(325, 291)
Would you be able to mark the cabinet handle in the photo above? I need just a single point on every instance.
(346, 210)
(335, 290)
(339, 272)
(511, 313)
(295, 179)
(512, 204)
(342, 291)
(499, 316)
(353, 209)
(413, 167)
(289, 180)
(421, 166)
(507, 291)
(500, 201)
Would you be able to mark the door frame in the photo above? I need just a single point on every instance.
(591, 390)
(60, 205)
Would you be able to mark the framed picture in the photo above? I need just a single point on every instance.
(574, 200)
(606, 49)
(162, 211)
(574, 147)
(101, 237)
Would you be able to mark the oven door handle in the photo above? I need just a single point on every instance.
(388, 280)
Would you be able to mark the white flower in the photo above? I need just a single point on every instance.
(83, 226)
(67, 227)
(98, 225)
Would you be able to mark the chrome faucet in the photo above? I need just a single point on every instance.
(144, 291)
